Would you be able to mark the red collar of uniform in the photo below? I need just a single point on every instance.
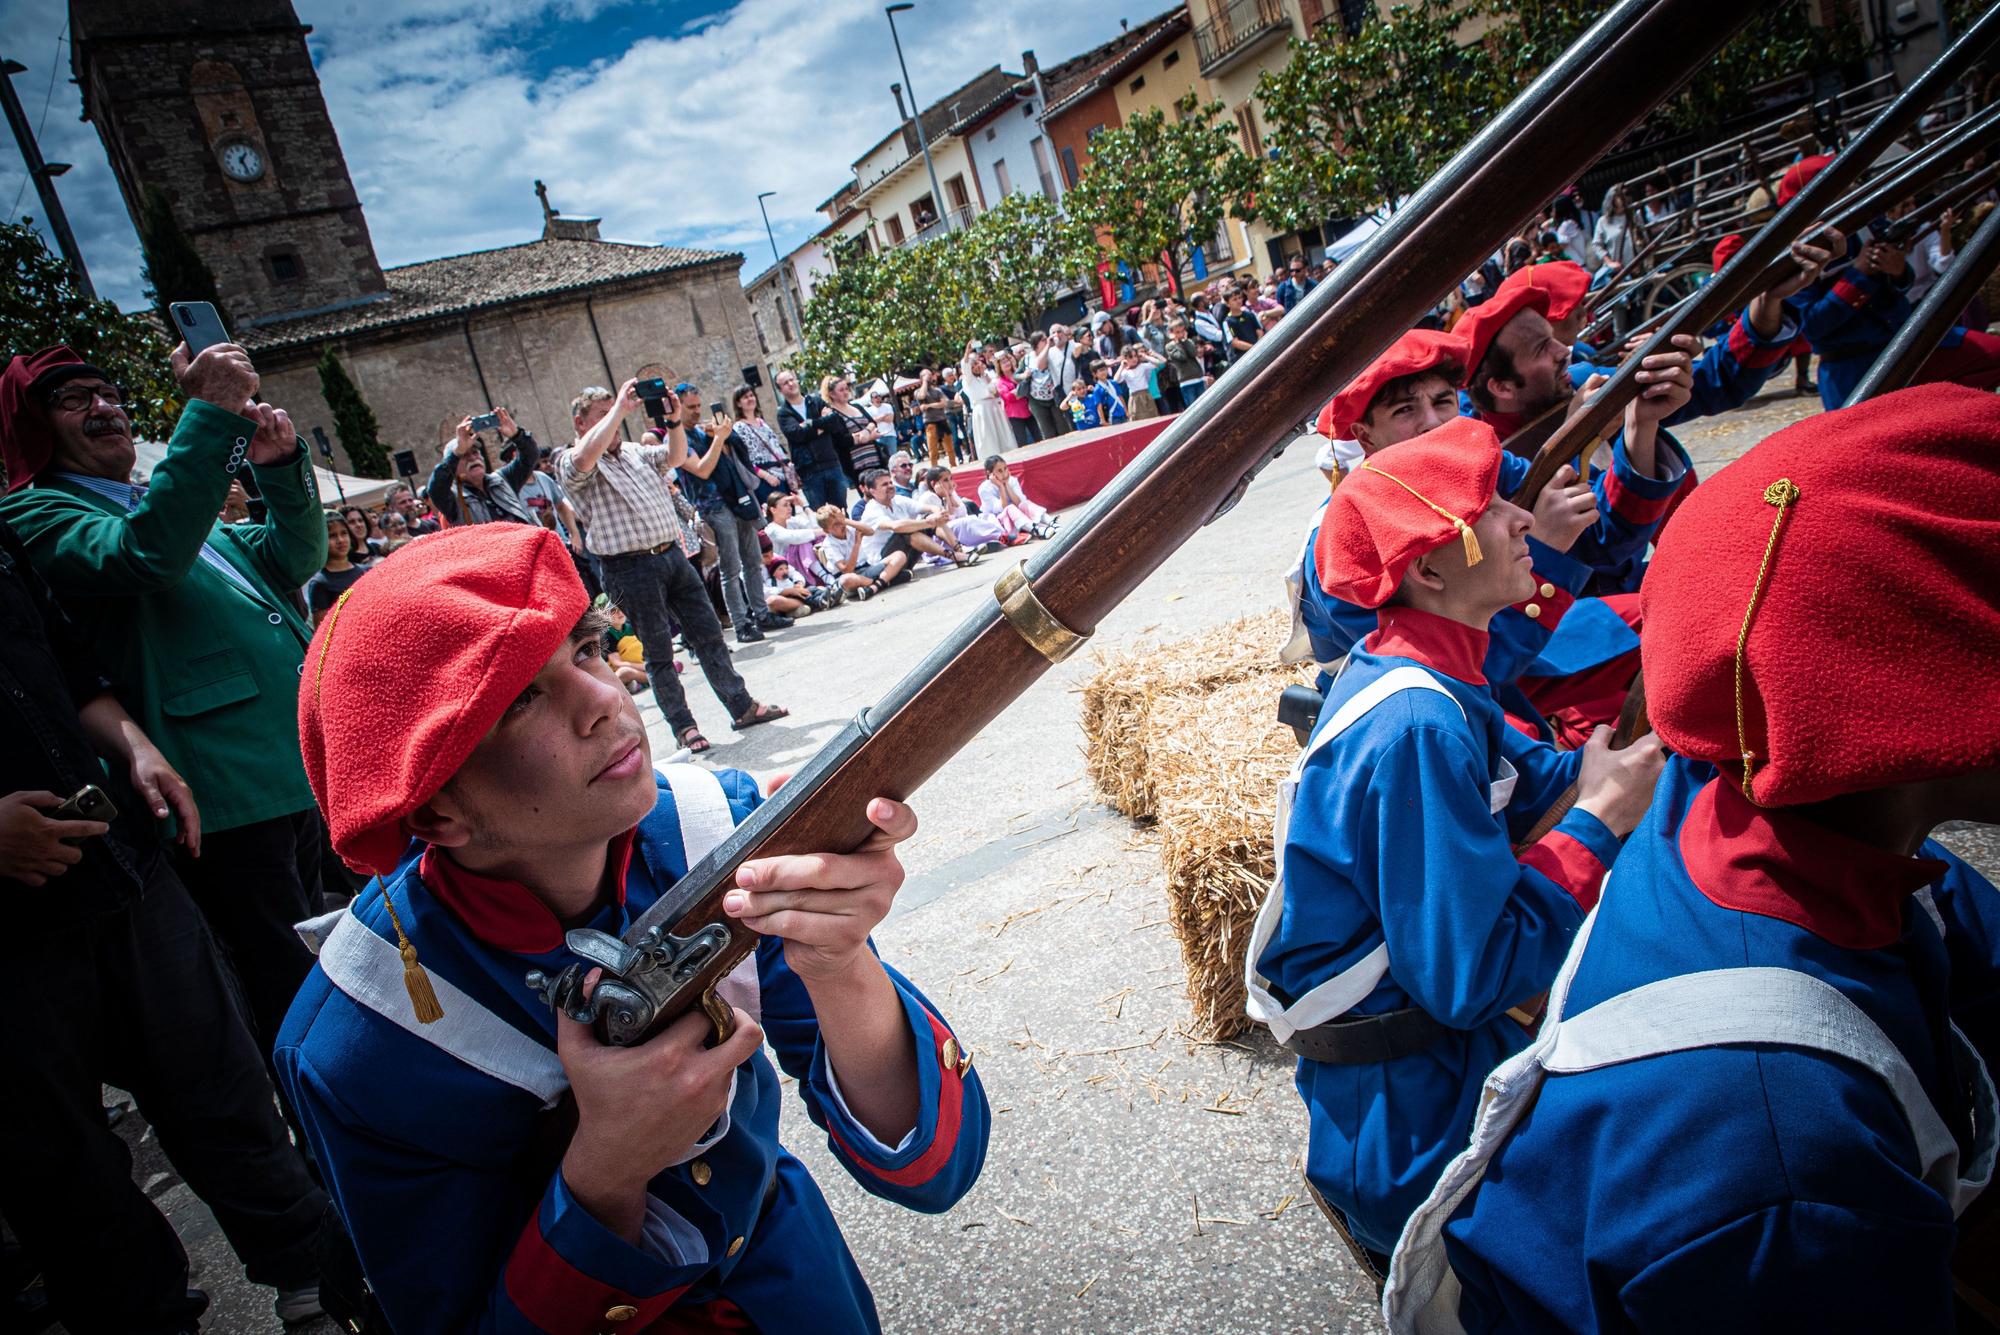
(1439, 643)
(505, 914)
(1768, 861)
(1503, 424)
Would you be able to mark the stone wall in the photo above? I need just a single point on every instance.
(165, 103)
(535, 355)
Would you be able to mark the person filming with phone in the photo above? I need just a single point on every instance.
(111, 974)
(464, 488)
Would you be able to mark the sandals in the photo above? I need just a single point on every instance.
(691, 738)
(761, 714)
(867, 591)
(965, 560)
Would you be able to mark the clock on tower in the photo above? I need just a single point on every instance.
(218, 108)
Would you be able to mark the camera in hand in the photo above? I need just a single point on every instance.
(652, 388)
(486, 422)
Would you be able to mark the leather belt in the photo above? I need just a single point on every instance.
(1365, 1040)
(668, 546)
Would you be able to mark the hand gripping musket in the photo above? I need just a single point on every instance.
(1897, 364)
(672, 956)
(1750, 266)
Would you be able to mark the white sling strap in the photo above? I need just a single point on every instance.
(706, 820)
(1789, 1009)
(1342, 992)
(1298, 644)
(369, 969)
(1777, 1006)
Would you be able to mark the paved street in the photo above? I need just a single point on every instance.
(1137, 1181)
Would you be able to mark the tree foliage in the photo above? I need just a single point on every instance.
(916, 304)
(41, 305)
(174, 270)
(1357, 122)
(1025, 252)
(1157, 187)
(353, 420)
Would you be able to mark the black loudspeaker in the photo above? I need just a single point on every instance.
(753, 376)
(406, 463)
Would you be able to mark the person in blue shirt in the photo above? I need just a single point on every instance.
(1403, 947)
(430, 1074)
(1761, 1097)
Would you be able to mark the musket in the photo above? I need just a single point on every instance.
(1753, 267)
(1577, 109)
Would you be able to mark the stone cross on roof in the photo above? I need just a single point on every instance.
(557, 227)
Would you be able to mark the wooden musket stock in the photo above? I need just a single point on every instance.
(1575, 111)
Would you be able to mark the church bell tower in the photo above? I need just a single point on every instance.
(218, 108)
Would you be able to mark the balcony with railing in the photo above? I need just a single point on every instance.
(959, 220)
(1235, 29)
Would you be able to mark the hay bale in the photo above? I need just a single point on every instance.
(1119, 700)
(1215, 764)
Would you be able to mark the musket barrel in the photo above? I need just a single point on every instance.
(1635, 56)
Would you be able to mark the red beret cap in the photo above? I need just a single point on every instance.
(1415, 352)
(1483, 323)
(1566, 282)
(1798, 174)
(1872, 655)
(26, 440)
(1402, 503)
(416, 663)
(1725, 250)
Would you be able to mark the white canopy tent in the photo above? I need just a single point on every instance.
(362, 491)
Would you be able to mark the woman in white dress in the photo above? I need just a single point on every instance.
(990, 432)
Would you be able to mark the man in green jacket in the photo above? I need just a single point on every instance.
(194, 620)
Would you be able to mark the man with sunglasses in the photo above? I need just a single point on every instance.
(196, 621)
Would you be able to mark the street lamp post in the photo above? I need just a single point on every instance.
(784, 285)
(43, 174)
(916, 108)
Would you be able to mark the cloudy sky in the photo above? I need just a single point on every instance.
(666, 119)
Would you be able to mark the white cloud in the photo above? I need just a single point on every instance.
(447, 117)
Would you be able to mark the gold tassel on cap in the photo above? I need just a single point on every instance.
(1473, 556)
(1783, 493)
(423, 998)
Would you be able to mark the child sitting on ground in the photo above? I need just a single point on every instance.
(624, 652)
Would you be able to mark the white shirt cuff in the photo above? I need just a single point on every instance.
(868, 1141)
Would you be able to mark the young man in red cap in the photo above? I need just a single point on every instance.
(1577, 654)
(425, 1067)
(1403, 929)
(1751, 1103)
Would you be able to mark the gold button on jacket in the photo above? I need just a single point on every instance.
(701, 1172)
(622, 1312)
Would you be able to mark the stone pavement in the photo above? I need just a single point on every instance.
(1137, 1181)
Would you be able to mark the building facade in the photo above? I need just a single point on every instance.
(219, 111)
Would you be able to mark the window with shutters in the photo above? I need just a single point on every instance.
(1001, 178)
(1246, 126)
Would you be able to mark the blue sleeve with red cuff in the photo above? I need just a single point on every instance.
(1851, 312)
(1631, 506)
(938, 1161)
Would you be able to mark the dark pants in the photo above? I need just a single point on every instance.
(1050, 419)
(136, 997)
(826, 486)
(253, 883)
(1024, 431)
(655, 590)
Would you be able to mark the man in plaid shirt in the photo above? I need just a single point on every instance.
(620, 489)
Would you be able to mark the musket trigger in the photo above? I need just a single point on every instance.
(721, 1018)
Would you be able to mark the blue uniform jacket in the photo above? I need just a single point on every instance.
(460, 1228)
(1752, 1187)
(1849, 318)
(1392, 839)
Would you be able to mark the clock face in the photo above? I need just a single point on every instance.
(242, 162)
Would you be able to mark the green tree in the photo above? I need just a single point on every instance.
(41, 305)
(1158, 187)
(174, 269)
(353, 420)
(1358, 122)
(1024, 252)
